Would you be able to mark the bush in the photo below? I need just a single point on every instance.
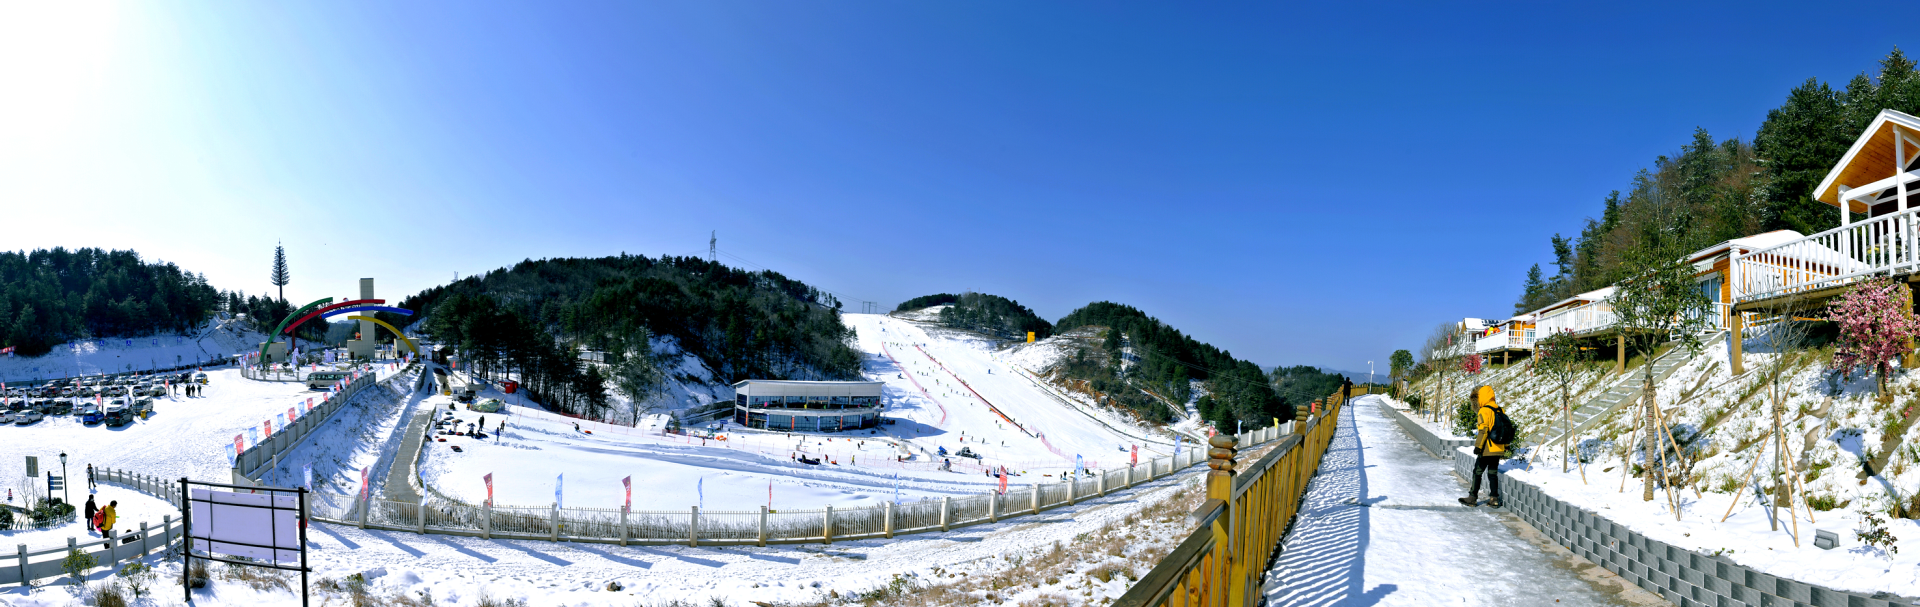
(6, 518)
(107, 594)
(1465, 419)
(1876, 534)
(77, 564)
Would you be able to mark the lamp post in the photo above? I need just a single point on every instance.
(66, 493)
(1369, 375)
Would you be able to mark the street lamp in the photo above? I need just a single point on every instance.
(1369, 375)
(64, 480)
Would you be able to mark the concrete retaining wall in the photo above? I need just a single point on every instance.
(1685, 577)
(1439, 447)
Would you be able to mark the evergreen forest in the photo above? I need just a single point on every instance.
(990, 314)
(48, 297)
(1711, 191)
(532, 320)
(1157, 365)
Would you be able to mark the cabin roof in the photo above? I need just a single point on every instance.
(1871, 158)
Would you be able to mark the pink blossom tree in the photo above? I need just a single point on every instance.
(1876, 324)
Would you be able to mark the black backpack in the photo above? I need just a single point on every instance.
(1502, 431)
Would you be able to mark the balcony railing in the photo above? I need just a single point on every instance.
(1515, 339)
(1882, 246)
(1583, 318)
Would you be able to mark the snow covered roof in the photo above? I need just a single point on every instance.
(1748, 243)
(1589, 296)
(782, 387)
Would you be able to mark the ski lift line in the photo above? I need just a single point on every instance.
(916, 384)
(983, 399)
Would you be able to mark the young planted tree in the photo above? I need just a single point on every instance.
(1435, 355)
(1399, 364)
(1662, 303)
(1558, 358)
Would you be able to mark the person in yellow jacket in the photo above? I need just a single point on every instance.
(107, 515)
(1487, 452)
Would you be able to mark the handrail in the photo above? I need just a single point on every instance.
(1239, 527)
(1880, 245)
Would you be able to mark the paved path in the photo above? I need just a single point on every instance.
(398, 486)
(1381, 526)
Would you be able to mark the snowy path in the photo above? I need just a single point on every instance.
(1381, 526)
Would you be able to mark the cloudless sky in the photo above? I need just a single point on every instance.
(1299, 183)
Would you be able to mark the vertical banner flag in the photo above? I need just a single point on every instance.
(268, 425)
(701, 487)
(307, 471)
(233, 457)
(1078, 465)
(896, 487)
(628, 484)
(363, 483)
(238, 444)
(1136, 456)
(489, 479)
(292, 415)
(558, 481)
(253, 435)
(1003, 480)
(1176, 446)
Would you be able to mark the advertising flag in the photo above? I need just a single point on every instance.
(307, 470)
(268, 425)
(239, 444)
(1003, 480)
(292, 414)
(558, 481)
(489, 479)
(628, 484)
(363, 483)
(1136, 456)
(253, 436)
(701, 488)
(232, 457)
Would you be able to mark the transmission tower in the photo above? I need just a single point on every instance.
(713, 246)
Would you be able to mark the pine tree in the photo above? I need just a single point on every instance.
(1797, 144)
(280, 277)
(1534, 292)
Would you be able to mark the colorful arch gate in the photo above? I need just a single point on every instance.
(320, 308)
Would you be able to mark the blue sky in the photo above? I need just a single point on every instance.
(1305, 184)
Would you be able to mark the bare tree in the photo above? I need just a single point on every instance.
(1558, 358)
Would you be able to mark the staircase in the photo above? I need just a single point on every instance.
(1623, 391)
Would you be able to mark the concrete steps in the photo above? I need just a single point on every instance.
(1622, 391)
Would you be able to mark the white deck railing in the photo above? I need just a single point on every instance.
(1516, 339)
(1582, 318)
(1882, 246)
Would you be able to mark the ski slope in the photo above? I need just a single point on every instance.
(947, 390)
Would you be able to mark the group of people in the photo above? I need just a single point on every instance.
(192, 389)
(101, 519)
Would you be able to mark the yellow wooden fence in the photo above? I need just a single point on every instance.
(1246, 514)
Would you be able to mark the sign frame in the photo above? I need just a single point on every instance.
(273, 495)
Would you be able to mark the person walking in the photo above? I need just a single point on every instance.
(1346, 388)
(89, 511)
(91, 485)
(1489, 446)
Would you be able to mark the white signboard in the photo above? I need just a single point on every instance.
(223, 521)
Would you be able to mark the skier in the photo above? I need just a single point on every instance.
(89, 511)
(946, 465)
(1488, 453)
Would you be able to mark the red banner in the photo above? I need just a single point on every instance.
(489, 479)
(628, 483)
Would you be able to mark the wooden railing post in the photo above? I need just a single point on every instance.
(1232, 578)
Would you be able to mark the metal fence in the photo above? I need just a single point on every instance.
(695, 527)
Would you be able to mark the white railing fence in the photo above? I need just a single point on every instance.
(437, 515)
(25, 566)
(1882, 245)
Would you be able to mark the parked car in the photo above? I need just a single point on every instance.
(118, 414)
(90, 414)
(200, 378)
(27, 417)
(6, 417)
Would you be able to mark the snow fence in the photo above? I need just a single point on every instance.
(25, 566)
(1682, 576)
(695, 527)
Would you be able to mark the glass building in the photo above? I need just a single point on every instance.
(807, 406)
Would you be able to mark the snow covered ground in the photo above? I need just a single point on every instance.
(737, 470)
(1833, 424)
(115, 355)
(1380, 526)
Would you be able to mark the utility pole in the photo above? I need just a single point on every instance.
(713, 246)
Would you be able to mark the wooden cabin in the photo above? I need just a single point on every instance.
(1506, 338)
(1871, 189)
